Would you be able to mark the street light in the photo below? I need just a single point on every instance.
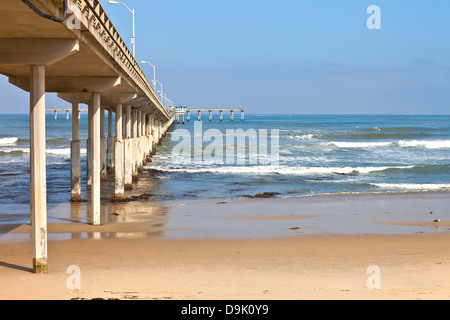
(154, 73)
(133, 40)
(161, 89)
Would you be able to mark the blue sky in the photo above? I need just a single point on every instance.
(288, 56)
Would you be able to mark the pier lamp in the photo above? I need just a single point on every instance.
(154, 73)
(133, 39)
(162, 93)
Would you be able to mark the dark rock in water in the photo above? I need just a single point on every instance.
(79, 201)
(266, 195)
(144, 196)
(122, 200)
(9, 174)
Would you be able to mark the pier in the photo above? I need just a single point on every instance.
(88, 63)
(67, 111)
(185, 111)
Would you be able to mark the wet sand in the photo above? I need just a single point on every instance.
(317, 248)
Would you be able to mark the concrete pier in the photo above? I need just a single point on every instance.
(103, 163)
(75, 157)
(90, 65)
(94, 137)
(181, 111)
(110, 143)
(38, 180)
(128, 171)
(89, 151)
(119, 149)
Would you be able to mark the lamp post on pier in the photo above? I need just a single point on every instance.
(154, 73)
(133, 39)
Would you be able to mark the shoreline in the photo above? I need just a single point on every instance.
(257, 249)
(275, 217)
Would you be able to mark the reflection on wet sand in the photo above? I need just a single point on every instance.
(72, 221)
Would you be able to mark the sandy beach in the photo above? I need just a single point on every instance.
(284, 251)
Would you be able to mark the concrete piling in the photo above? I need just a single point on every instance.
(75, 157)
(119, 149)
(110, 143)
(94, 137)
(38, 180)
(103, 164)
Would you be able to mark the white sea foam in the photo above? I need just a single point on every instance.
(361, 145)
(412, 186)
(55, 152)
(8, 141)
(276, 170)
(429, 144)
(302, 137)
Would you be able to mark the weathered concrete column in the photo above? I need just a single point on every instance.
(67, 115)
(119, 163)
(134, 144)
(134, 123)
(38, 180)
(138, 123)
(183, 119)
(128, 153)
(75, 157)
(150, 134)
(89, 151)
(231, 115)
(143, 124)
(221, 115)
(128, 123)
(188, 116)
(94, 137)
(56, 115)
(138, 142)
(110, 142)
(103, 164)
(242, 116)
(199, 116)
(144, 139)
(210, 115)
(124, 123)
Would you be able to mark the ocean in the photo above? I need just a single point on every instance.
(318, 155)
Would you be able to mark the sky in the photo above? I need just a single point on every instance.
(288, 56)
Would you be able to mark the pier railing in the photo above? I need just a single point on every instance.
(94, 18)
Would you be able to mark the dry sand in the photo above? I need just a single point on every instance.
(152, 258)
